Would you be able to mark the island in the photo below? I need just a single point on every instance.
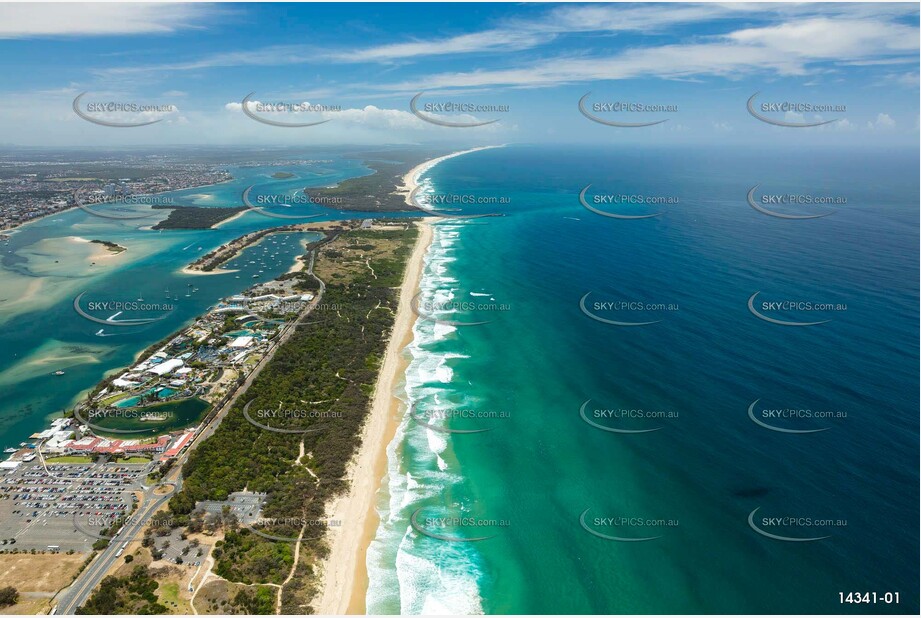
(111, 246)
(195, 217)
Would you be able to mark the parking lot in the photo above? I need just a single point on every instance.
(173, 548)
(247, 506)
(65, 507)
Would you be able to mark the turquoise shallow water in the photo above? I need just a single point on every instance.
(540, 358)
(696, 479)
(42, 270)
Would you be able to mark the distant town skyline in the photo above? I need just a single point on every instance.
(363, 64)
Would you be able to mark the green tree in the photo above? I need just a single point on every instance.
(8, 596)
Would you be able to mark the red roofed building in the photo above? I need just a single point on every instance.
(157, 447)
(115, 447)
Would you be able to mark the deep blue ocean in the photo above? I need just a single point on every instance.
(709, 431)
(564, 500)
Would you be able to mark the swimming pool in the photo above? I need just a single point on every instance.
(130, 402)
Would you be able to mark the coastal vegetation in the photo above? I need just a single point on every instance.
(8, 596)
(133, 594)
(249, 558)
(258, 602)
(376, 192)
(194, 217)
(332, 358)
(372, 193)
(111, 246)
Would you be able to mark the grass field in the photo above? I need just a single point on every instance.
(37, 577)
(169, 593)
(69, 459)
(133, 460)
(172, 592)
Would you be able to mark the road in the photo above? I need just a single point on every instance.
(76, 595)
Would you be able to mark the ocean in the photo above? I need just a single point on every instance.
(571, 438)
(597, 421)
(47, 263)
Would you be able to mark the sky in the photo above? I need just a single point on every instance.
(526, 65)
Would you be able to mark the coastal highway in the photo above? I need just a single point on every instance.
(76, 595)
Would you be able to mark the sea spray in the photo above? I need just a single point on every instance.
(430, 576)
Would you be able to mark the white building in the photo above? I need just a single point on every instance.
(166, 367)
(241, 342)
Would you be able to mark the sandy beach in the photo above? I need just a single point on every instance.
(345, 572)
(411, 179)
(345, 577)
(229, 219)
(216, 271)
(98, 251)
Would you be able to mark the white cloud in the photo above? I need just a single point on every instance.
(520, 34)
(883, 121)
(26, 20)
(908, 79)
(668, 61)
(627, 18)
(784, 49)
(523, 34)
(825, 38)
(849, 34)
(367, 117)
(486, 41)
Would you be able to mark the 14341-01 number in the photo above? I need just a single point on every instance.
(868, 597)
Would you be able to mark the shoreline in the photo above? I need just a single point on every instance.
(344, 574)
(229, 219)
(246, 242)
(411, 178)
(15, 228)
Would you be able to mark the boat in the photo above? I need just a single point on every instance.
(9, 450)
(59, 372)
(147, 418)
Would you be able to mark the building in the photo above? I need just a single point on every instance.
(180, 443)
(104, 446)
(241, 342)
(166, 367)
